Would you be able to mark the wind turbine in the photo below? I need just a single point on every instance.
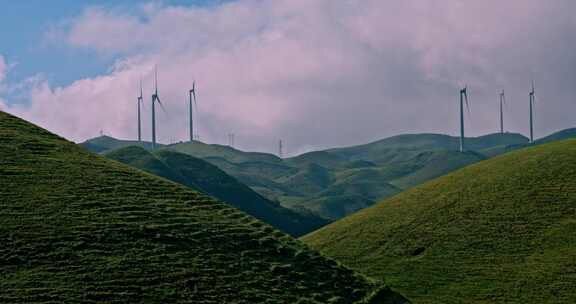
(463, 98)
(532, 101)
(140, 102)
(502, 102)
(155, 98)
(192, 95)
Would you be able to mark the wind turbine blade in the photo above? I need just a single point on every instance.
(467, 106)
(161, 105)
(193, 91)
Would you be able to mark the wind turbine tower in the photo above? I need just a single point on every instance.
(280, 149)
(463, 98)
(502, 102)
(231, 140)
(532, 101)
(140, 102)
(192, 93)
(155, 98)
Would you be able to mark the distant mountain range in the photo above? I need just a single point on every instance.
(337, 182)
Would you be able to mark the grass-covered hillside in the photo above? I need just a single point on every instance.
(78, 228)
(209, 179)
(499, 231)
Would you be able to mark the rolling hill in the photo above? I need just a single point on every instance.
(77, 227)
(560, 135)
(404, 147)
(499, 231)
(104, 143)
(209, 179)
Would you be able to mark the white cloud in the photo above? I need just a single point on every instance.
(317, 73)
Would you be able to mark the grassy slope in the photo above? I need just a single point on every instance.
(435, 164)
(502, 230)
(209, 179)
(76, 227)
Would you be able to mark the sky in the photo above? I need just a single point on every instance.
(314, 73)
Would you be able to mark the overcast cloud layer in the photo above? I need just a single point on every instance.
(317, 73)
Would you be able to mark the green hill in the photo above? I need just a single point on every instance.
(76, 227)
(321, 158)
(202, 150)
(105, 143)
(403, 147)
(209, 179)
(560, 135)
(499, 231)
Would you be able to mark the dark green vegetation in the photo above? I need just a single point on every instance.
(207, 178)
(338, 182)
(500, 231)
(76, 227)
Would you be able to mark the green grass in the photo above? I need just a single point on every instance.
(76, 227)
(209, 179)
(499, 231)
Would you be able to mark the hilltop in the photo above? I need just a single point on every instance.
(499, 231)
(209, 179)
(104, 143)
(77, 227)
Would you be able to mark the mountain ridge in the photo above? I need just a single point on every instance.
(403, 161)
